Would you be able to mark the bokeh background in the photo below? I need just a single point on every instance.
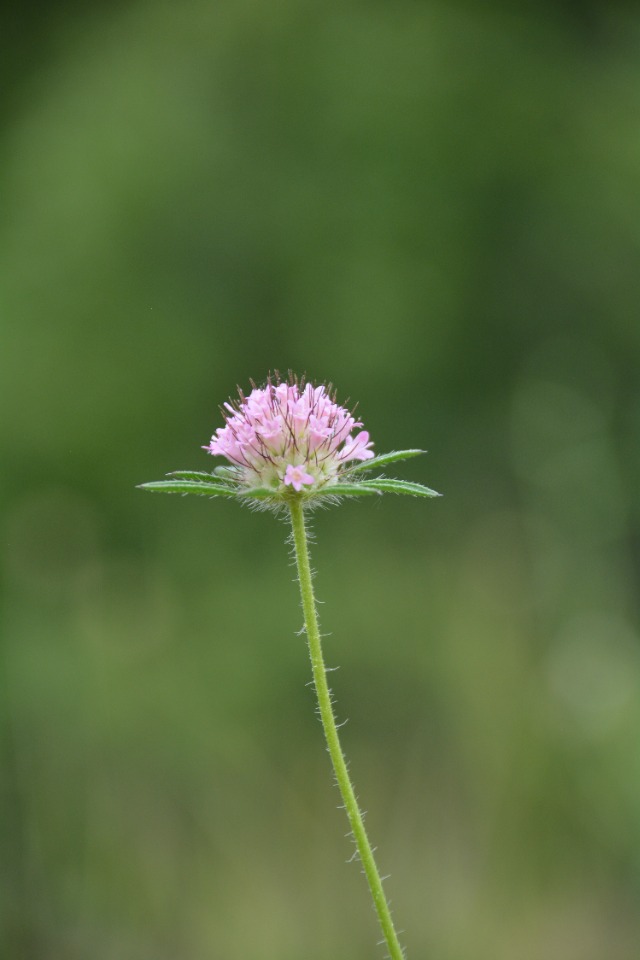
(436, 206)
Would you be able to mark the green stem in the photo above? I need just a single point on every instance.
(331, 731)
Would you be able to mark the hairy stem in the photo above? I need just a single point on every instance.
(331, 732)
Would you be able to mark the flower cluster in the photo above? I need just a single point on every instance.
(289, 435)
(290, 444)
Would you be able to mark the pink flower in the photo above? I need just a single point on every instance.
(357, 448)
(296, 477)
(289, 434)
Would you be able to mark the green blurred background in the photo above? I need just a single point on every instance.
(436, 206)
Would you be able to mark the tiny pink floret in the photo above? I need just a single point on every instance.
(289, 433)
(296, 477)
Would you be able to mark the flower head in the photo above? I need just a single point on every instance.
(289, 434)
(289, 443)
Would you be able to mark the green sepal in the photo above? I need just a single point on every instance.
(189, 486)
(227, 473)
(259, 493)
(383, 459)
(192, 475)
(383, 485)
(347, 490)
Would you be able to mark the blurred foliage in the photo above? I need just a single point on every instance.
(436, 207)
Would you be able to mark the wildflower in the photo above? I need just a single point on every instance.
(290, 440)
(292, 434)
(291, 445)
